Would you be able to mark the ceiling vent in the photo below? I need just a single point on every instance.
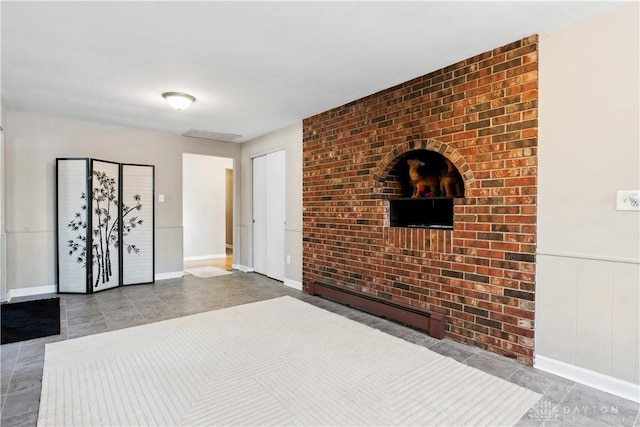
(213, 136)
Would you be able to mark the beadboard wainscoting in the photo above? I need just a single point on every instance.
(587, 316)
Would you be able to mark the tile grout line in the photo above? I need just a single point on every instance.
(13, 368)
(515, 372)
(66, 320)
(136, 308)
(564, 397)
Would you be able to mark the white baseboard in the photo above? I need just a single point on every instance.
(36, 290)
(169, 275)
(242, 268)
(293, 284)
(204, 257)
(624, 389)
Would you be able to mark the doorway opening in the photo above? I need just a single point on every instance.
(207, 211)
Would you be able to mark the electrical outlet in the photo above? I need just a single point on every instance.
(288, 259)
(628, 200)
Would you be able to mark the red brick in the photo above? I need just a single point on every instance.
(482, 113)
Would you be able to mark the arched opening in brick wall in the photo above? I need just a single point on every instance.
(441, 177)
(386, 184)
(422, 183)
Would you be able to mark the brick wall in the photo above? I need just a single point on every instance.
(481, 114)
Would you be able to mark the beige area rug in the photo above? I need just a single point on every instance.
(205, 272)
(275, 362)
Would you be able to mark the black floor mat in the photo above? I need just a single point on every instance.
(29, 319)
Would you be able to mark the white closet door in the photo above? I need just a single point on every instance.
(275, 214)
(269, 214)
(260, 214)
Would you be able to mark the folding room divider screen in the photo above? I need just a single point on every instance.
(104, 224)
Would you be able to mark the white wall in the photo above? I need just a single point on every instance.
(289, 139)
(32, 143)
(204, 202)
(588, 262)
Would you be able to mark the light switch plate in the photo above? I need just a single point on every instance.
(628, 200)
(161, 198)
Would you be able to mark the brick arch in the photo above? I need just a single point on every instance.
(388, 162)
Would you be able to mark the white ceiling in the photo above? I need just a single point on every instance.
(254, 67)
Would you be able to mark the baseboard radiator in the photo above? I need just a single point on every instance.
(432, 323)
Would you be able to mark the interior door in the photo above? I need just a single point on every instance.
(275, 214)
(260, 215)
(3, 245)
(228, 211)
(269, 214)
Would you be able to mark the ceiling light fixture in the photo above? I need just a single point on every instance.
(178, 100)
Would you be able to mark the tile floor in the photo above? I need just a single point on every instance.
(565, 403)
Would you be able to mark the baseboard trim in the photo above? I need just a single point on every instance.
(624, 389)
(36, 290)
(242, 268)
(169, 275)
(293, 284)
(204, 257)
